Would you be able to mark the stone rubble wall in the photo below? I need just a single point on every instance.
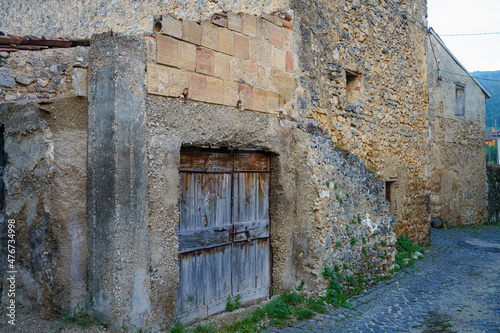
(50, 73)
(383, 45)
(78, 19)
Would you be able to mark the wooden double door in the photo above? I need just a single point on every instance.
(223, 230)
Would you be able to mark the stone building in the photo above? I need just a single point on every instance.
(456, 120)
(193, 150)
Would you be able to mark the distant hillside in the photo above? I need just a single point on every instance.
(493, 104)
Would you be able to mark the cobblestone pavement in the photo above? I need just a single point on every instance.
(455, 288)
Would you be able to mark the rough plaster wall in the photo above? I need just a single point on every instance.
(49, 73)
(45, 182)
(387, 127)
(458, 184)
(82, 19)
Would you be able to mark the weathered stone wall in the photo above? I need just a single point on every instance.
(493, 172)
(325, 207)
(458, 184)
(45, 175)
(364, 78)
(55, 72)
(70, 19)
(45, 182)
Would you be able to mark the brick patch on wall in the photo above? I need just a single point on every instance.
(230, 60)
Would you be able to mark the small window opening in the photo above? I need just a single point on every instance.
(460, 99)
(391, 188)
(353, 87)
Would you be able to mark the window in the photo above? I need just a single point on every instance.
(460, 100)
(353, 87)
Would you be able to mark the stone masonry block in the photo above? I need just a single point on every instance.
(186, 56)
(288, 39)
(158, 77)
(215, 90)
(226, 41)
(276, 35)
(237, 69)
(166, 50)
(250, 73)
(205, 61)
(230, 93)
(279, 58)
(272, 102)
(289, 62)
(249, 24)
(263, 29)
(171, 26)
(79, 81)
(241, 45)
(210, 36)
(259, 100)
(220, 20)
(245, 93)
(191, 32)
(235, 22)
(198, 87)
(178, 81)
(278, 21)
(222, 65)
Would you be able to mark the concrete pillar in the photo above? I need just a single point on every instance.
(118, 264)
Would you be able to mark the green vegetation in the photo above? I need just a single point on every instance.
(338, 243)
(80, 317)
(233, 304)
(363, 239)
(339, 198)
(406, 250)
(383, 243)
(353, 240)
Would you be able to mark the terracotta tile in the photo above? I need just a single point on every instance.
(187, 56)
(191, 32)
(220, 20)
(272, 102)
(246, 95)
(289, 62)
(158, 77)
(198, 87)
(171, 26)
(205, 61)
(249, 24)
(178, 80)
(259, 100)
(226, 41)
(276, 35)
(235, 22)
(241, 46)
(209, 36)
(166, 50)
(288, 24)
(230, 93)
(279, 58)
(215, 90)
(222, 65)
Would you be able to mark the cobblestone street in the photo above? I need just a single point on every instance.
(455, 288)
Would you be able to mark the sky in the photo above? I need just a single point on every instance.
(476, 53)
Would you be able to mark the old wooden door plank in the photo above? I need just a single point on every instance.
(198, 239)
(256, 229)
(251, 162)
(199, 161)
